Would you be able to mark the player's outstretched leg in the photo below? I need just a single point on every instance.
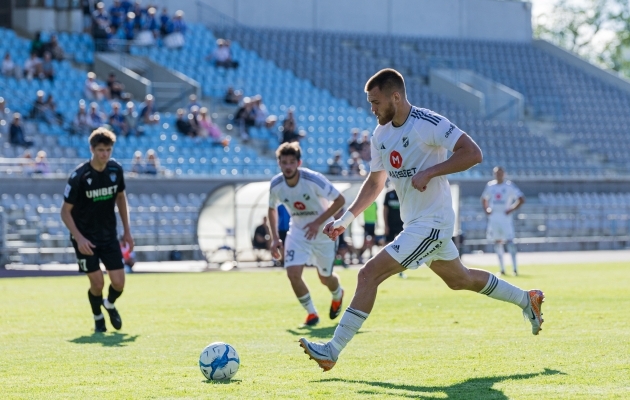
(458, 277)
(375, 271)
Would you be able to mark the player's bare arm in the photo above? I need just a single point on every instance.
(84, 245)
(369, 191)
(515, 206)
(312, 229)
(123, 211)
(466, 154)
(276, 244)
(486, 206)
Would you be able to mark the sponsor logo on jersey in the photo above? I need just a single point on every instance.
(405, 141)
(306, 196)
(450, 130)
(395, 159)
(396, 248)
(382, 147)
(403, 173)
(298, 205)
(304, 213)
(101, 194)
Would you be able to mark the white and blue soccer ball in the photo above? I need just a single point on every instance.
(219, 361)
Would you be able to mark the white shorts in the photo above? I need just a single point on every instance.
(500, 227)
(422, 246)
(300, 251)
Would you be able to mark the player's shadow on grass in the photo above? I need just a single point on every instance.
(474, 388)
(113, 339)
(325, 332)
(223, 382)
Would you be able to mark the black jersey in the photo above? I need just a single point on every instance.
(393, 212)
(93, 195)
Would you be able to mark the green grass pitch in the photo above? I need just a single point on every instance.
(421, 341)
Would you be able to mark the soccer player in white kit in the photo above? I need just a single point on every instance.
(312, 201)
(500, 199)
(410, 147)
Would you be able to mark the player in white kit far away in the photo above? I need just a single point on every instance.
(500, 199)
(410, 147)
(312, 201)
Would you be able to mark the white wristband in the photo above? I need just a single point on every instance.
(345, 220)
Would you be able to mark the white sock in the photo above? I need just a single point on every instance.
(350, 323)
(108, 305)
(336, 294)
(498, 248)
(512, 249)
(501, 290)
(97, 317)
(307, 303)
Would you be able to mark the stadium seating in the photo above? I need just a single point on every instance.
(33, 221)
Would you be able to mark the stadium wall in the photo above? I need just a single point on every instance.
(457, 19)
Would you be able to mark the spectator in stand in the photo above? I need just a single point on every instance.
(33, 67)
(165, 22)
(208, 129)
(95, 118)
(41, 163)
(88, 7)
(152, 165)
(355, 165)
(37, 46)
(147, 114)
(50, 111)
(354, 144)
(149, 28)
(126, 6)
(27, 162)
(193, 118)
(5, 117)
(9, 68)
(175, 31)
(183, 124)
(222, 55)
(137, 163)
(92, 90)
(56, 51)
(117, 120)
(48, 69)
(233, 96)
(192, 102)
(100, 27)
(116, 14)
(129, 26)
(138, 12)
(260, 111)
(81, 123)
(132, 120)
(334, 165)
(115, 87)
(289, 129)
(38, 111)
(16, 132)
(245, 118)
(366, 153)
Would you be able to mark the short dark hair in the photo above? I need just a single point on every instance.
(387, 79)
(102, 136)
(289, 149)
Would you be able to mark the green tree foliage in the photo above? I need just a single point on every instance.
(598, 30)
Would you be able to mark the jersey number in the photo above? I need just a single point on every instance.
(83, 264)
(290, 255)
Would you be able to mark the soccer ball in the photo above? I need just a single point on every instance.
(219, 361)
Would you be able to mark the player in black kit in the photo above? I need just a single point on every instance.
(93, 191)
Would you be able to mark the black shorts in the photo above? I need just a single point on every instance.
(369, 229)
(109, 254)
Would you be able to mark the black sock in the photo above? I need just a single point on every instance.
(96, 302)
(113, 294)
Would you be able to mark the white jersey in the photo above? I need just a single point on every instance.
(501, 196)
(305, 201)
(420, 143)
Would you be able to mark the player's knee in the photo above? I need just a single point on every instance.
(97, 287)
(366, 274)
